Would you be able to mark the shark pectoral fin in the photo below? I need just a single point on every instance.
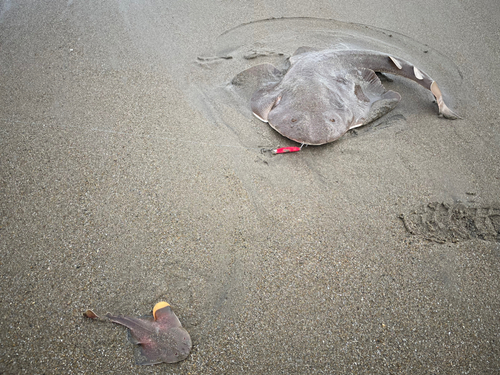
(444, 111)
(257, 77)
(263, 101)
(166, 318)
(305, 49)
(369, 83)
(384, 105)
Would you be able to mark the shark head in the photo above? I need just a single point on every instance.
(310, 113)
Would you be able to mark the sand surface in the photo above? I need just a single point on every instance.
(130, 174)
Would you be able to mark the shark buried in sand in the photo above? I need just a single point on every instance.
(325, 93)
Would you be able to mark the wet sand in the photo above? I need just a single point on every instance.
(123, 182)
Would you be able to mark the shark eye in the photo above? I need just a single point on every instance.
(332, 120)
(294, 119)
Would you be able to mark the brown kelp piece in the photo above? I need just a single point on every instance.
(161, 338)
(90, 314)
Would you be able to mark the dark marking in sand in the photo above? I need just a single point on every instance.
(253, 54)
(213, 58)
(441, 222)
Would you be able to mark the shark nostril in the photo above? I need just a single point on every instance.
(294, 120)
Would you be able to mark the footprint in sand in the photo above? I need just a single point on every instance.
(441, 222)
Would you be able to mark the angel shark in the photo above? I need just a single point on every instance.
(161, 338)
(325, 93)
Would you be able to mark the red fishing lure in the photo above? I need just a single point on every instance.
(284, 150)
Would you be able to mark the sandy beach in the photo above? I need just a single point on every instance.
(132, 172)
